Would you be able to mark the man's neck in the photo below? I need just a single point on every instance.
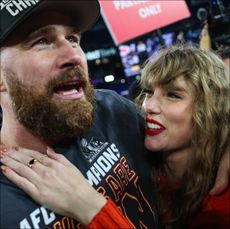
(14, 134)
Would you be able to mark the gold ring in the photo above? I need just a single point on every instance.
(42, 159)
(31, 163)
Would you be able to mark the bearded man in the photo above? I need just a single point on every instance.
(48, 102)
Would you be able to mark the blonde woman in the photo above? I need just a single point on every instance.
(187, 113)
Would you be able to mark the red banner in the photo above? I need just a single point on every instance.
(129, 19)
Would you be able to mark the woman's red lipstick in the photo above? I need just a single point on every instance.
(152, 127)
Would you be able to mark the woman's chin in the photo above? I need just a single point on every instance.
(152, 145)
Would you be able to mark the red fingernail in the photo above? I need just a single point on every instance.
(3, 148)
(48, 150)
(4, 168)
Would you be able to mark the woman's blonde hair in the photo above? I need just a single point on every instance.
(209, 78)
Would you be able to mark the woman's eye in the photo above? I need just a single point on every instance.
(147, 91)
(173, 95)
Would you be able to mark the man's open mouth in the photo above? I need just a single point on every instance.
(72, 89)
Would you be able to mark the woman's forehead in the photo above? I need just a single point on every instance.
(175, 82)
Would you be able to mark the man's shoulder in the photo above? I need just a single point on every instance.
(117, 109)
(111, 98)
(102, 94)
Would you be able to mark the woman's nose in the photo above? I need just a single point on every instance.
(151, 105)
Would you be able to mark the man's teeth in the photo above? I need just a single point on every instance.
(153, 126)
(70, 92)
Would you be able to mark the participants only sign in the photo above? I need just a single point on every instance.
(129, 19)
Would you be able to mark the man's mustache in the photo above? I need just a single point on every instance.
(76, 74)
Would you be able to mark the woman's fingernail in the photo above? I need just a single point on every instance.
(4, 168)
(3, 148)
(2, 153)
(51, 153)
(49, 150)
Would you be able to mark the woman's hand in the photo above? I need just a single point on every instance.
(52, 181)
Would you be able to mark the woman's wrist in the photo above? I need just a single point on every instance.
(87, 205)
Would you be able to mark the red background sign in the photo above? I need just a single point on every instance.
(128, 19)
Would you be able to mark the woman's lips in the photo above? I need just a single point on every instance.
(153, 127)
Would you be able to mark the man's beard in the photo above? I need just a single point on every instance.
(49, 119)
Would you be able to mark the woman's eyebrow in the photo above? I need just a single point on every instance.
(175, 87)
(178, 88)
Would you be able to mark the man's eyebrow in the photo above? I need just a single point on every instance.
(74, 30)
(40, 31)
(49, 29)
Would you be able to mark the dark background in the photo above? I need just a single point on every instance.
(104, 56)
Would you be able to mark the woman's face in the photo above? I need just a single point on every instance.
(168, 117)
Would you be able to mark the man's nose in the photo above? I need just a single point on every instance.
(69, 54)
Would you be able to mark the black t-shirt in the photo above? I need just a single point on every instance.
(110, 156)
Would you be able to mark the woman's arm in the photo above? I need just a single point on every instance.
(109, 217)
(52, 181)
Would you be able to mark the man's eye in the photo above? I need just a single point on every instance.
(173, 95)
(41, 41)
(73, 39)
